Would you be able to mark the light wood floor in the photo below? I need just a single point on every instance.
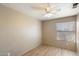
(49, 51)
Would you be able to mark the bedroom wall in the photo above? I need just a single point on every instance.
(18, 32)
(77, 33)
(50, 33)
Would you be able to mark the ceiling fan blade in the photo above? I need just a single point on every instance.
(55, 11)
(41, 9)
(52, 12)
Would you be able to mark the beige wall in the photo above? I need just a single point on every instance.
(50, 33)
(77, 28)
(18, 32)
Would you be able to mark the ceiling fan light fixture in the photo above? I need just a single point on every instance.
(47, 9)
(48, 15)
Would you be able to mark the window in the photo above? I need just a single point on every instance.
(65, 31)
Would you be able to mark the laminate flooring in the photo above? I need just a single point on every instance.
(49, 51)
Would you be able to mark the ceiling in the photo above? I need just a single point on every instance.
(26, 8)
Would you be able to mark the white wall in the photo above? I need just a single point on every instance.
(77, 28)
(18, 32)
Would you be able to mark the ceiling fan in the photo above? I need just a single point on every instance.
(46, 8)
